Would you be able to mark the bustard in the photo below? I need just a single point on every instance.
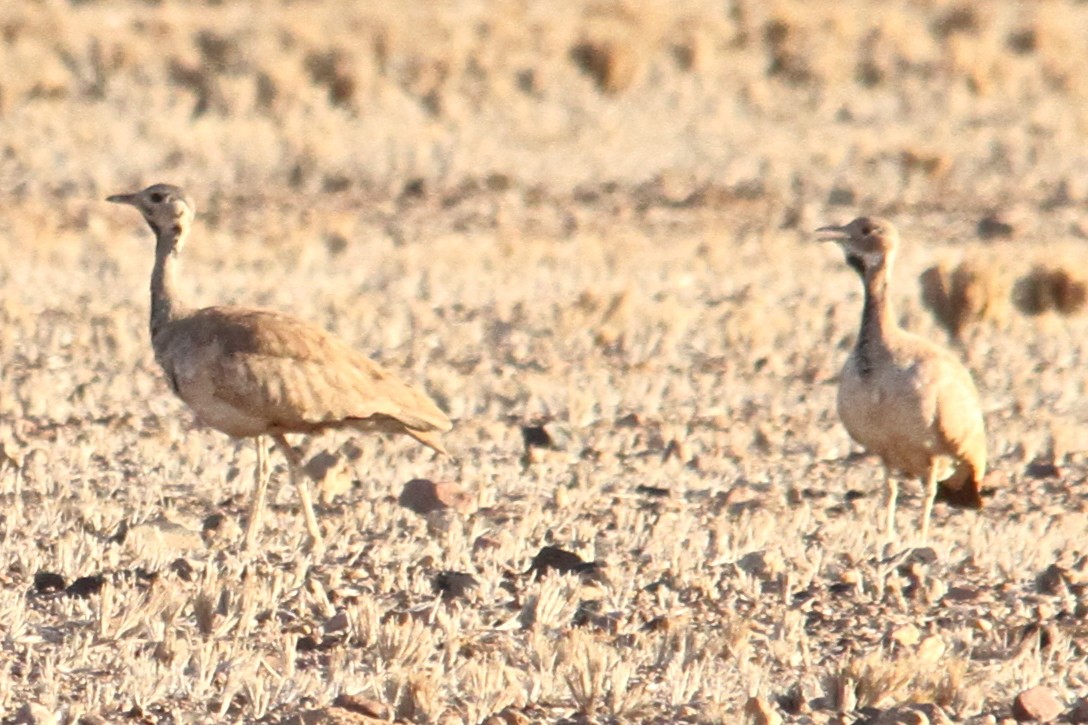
(255, 373)
(902, 397)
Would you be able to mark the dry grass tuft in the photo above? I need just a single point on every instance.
(333, 69)
(1047, 289)
(875, 681)
(614, 47)
(964, 295)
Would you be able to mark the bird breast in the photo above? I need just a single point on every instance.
(890, 412)
(192, 375)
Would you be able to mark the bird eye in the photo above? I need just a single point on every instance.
(867, 230)
(156, 198)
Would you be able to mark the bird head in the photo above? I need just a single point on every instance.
(165, 207)
(869, 243)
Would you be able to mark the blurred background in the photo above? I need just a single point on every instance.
(881, 105)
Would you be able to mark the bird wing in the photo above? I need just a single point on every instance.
(955, 431)
(293, 374)
(959, 422)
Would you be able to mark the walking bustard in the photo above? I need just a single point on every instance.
(902, 397)
(256, 373)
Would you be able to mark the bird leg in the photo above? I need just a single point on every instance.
(260, 488)
(927, 504)
(298, 477)
(891, 492)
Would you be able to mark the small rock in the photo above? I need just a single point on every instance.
(92, 719)
(1037, 634)
(545, 444)
(1077, 573)
(760, 712)
(935, 713)
(536, 436)
(1079, 712)
(485, 543)
(453, 584)
(157, 534)
(961, 594)
(901, 716)
(1043, 467)
(841, 196)
(919, 557)
(31, 713)
(220, 527)
(931, 649)
(660, 623)
(85, 586)
(552, 558)
(182, 569)
(982, 625)
(763, 564)
(995, 225)
(933, 165)
(906, 636)
(330, 716)
(337, 623)
(793, 701)
(1051, 581)
(48, 582)
(1038, 703)
(424, 496)
(363, 706)
(170, 649)
(509, 716)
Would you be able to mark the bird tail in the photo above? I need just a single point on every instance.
(429, 439)
(962, 489)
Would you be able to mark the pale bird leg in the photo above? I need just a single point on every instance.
(302, 485)
(891, 493)
(927, 506)
(260, 489)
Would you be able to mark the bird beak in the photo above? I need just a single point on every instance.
(833, 234)
(131, 199)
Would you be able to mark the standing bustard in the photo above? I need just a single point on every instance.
(902, 397)
(252, 373)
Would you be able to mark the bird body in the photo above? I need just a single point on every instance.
(902, 397)
(917, 409)
(251, 373)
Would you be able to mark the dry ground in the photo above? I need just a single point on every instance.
(595, 217)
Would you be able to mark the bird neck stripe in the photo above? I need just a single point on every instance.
(164, 306)
(875, 320)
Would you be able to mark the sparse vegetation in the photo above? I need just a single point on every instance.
(592, 225)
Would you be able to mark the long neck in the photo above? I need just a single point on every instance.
(165, 307)
(877, 319)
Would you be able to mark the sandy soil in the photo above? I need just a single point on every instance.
(598, 220)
